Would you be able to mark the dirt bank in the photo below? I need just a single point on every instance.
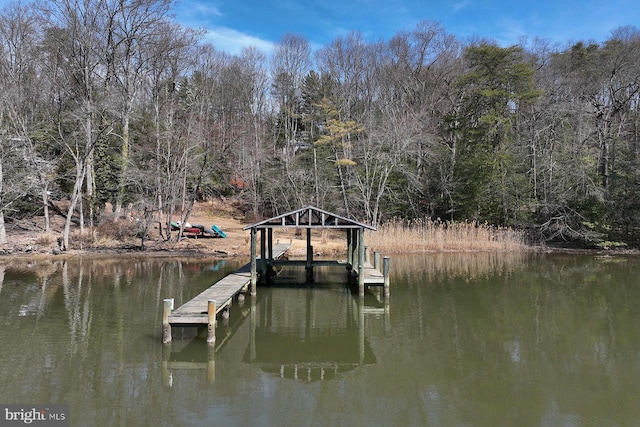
(26, 238)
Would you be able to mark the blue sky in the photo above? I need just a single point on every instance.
(232, 24)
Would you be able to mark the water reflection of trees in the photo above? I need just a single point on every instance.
(501, 339)
(521, 331)
(74, 328)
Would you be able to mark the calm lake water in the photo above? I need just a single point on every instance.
(464, 340)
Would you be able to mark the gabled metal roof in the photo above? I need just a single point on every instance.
(309, 217)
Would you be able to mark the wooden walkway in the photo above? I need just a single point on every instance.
(372, 276)
(195, 311)
(203, 309)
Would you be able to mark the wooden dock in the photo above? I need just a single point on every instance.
(372, 276)
(376, 274)
(200, 311)
(203, 309)
(195, 312)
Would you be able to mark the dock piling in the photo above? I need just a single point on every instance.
(211, 324)
(167, 307)
(385, 272)
(263, 256)
(309, 264)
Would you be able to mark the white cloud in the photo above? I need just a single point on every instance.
(207, 10)
(458, 6)
(197, 7)
(231, 41)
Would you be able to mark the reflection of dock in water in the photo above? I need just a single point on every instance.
(303, 333)
(323, 355)
(194, 353)
(309, 334)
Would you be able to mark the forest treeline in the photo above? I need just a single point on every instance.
(113, 103)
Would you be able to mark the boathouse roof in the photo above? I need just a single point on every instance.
(309, 217)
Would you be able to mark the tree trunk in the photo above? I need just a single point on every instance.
(3, 231)
(90, 189)
(315, 170)
(342, 187)
(45, 207)
(124, 159)
(75, 196)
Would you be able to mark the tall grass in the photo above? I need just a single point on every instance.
(425, 235)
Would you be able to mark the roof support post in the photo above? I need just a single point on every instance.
(361, 262)
(270, 271)
(309, 264)
(349, 248)
(263, 256)
(254, 272)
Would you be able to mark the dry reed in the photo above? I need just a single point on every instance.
(46, 239)
(425, 235)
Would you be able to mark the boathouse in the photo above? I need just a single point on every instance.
(310, 218)
(203, 308)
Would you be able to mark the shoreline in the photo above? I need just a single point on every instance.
(200, 252)
(27, 240)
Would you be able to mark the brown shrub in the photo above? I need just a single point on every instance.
(46, 239)
(121, 229)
